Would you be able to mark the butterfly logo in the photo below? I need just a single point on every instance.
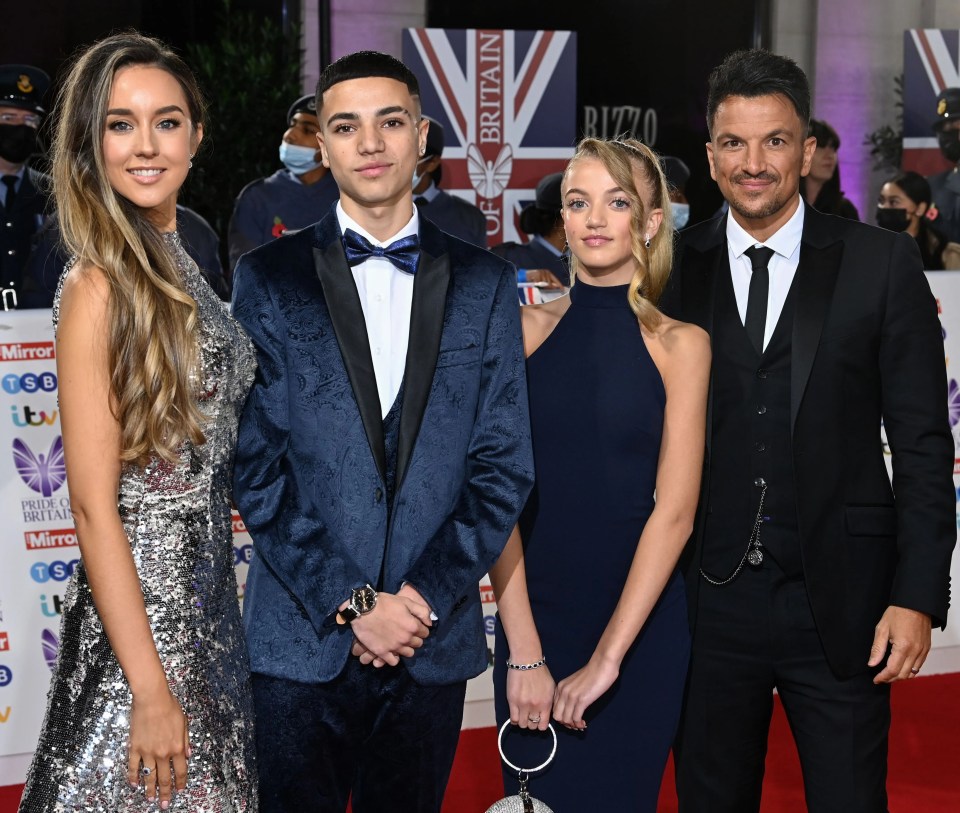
(489, 178)
(51, 646)
(953, 402)
(43, 473)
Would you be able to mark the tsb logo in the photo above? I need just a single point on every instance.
(242, 554)
(6, 676)
(29, 382)
(57, 571)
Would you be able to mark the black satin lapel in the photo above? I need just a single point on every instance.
(426, 325)
(814, 283)
(346, 314)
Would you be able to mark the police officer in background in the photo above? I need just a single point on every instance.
(542, 258)
(293, 197)
(23, 191)
(945, 212)
(452, 214)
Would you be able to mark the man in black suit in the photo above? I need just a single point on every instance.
(452, 214)
(805, 573)
(23, 190)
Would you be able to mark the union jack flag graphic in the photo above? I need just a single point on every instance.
(931, 62)
(507, 103)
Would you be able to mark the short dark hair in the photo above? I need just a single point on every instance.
(914, 186)
(757, 72)
(362, 65)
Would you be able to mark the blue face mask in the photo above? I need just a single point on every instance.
(681, 214)
(299, 160)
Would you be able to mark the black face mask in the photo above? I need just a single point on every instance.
(892, 219)
(17, 142)
(949, 141)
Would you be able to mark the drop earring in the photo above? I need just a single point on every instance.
(190, 162)
(646, 241)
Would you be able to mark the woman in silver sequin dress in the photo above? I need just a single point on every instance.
(150, 702)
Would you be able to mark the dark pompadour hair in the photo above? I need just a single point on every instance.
(758, 73)
(364, 64)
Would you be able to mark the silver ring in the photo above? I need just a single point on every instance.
(914, 671)
(145, 771)
(534, 719)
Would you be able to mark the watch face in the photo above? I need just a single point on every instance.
(364, 599)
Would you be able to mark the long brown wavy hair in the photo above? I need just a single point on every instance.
(152, 342)
(626, 160)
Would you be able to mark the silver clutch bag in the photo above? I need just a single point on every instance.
(523, 802)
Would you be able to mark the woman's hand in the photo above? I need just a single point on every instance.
(530, 697)
(583, 687)
(158, 738)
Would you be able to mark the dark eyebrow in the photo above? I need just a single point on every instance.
(383, 111)
(389, 111)
(170, 108)
(342, 117)
(780, 131)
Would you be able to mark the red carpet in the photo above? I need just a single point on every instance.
(924, 754)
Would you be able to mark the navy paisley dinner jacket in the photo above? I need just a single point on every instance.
(310, 464)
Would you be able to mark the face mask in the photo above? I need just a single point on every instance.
(299, 160)
(418, 176)
(681, 214)
(17, 142)
(892, 219)
(950, 144)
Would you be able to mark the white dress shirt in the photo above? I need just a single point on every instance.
(782, 266)
(386, 296)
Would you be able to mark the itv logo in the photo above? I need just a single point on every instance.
(27, 416)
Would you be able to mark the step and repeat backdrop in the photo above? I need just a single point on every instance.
(38, 545)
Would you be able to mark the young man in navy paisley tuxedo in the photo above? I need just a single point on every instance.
(383, 458)
(807, 572)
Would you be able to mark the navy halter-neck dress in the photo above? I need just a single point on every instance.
(596, 410)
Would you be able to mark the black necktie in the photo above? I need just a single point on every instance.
(403, 253)
(756, 321)
(421, 201)
(10, 181)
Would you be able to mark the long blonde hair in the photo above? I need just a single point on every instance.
(152, 343)
(624, 160)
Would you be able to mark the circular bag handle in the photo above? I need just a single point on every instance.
(539, 767)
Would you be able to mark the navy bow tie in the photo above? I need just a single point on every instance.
(403, 253)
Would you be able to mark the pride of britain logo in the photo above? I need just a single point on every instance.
(44, 473)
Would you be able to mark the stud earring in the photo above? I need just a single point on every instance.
(646, 241)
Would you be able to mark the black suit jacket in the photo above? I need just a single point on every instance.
(457, 217)
(19, 228)
(866, 345)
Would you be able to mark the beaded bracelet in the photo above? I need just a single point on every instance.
(523, 667)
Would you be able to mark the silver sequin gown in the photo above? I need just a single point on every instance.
(178, 521)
